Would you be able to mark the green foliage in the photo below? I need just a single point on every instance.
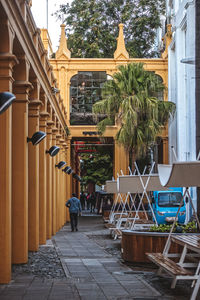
(92, 26)
(189, 227)
(131, 98)
(97, 167)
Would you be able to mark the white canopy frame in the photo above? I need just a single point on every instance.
(111, 187)
(129, 194)
(137, 185)
(144, 193)
(124, 211)
(180, 174)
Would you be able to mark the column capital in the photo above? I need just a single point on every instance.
(10, 58)
(7, 61)
(50, 123)
(55, 129)
(35, 103)
(44, 115)
(33, 108)
(43, 120)
(21, 89)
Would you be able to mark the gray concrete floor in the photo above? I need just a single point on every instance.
(94, 270)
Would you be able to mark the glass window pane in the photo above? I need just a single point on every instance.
(84, 92)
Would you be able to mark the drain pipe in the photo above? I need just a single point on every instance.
(197, 86)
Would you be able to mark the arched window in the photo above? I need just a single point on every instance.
(159, 94)
(85, 90)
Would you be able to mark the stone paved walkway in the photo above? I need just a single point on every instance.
(95, 273)
(91, 272)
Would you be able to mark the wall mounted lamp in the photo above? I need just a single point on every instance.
(53, 150)
(54, 90)
(6, 100)
(68, 170)
(37, 137)
(61, 164)
(77, 177)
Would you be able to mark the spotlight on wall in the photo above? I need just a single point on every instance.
(54, 90)
(37, 137)
(61, 164)
(68, 170)
(6, 100)
(53, 150)
(77, 177)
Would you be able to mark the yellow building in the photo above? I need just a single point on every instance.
(78, 73)
(33, 190)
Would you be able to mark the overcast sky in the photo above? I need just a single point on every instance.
(39, 10)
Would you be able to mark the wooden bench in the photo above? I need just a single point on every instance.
(192, 241)
(168, 265)
(188, 265)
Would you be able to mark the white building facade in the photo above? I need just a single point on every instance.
(181, 82)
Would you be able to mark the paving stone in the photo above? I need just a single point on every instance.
(88, 286)
(11, 297)
(92, 273)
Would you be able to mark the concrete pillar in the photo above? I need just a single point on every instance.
(165, 150)
(33, 172)
(54, 187)
(65, 182)
(68, 179)
(20, 167)
(121, 160)
(42, 181)
(8, 60)
(62, 188)
(49, 180)
(58, 186)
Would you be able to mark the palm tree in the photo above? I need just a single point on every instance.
(131, 99)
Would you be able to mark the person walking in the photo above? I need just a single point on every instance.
(93, 202)
(88, 201)
(74, 209)
(82, 199)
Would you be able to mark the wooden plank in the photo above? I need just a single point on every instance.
(192, 241)
(168, 264)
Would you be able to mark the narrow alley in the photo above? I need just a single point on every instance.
(87, 266)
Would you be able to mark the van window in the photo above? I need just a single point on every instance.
(167, 199)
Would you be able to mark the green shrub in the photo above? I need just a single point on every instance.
(189, 227)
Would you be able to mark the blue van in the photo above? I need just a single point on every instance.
(165, 205)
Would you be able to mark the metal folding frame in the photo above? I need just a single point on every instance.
(129, 196)
(111, 187)
(139, 185)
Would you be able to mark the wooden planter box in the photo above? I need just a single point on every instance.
(106, 213)
(136, 243)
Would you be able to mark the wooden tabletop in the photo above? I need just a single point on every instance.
(192, 241)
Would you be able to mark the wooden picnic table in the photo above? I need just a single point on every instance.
(182, 266)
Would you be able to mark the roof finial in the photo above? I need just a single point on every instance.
(121, 52)
(63, 51)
